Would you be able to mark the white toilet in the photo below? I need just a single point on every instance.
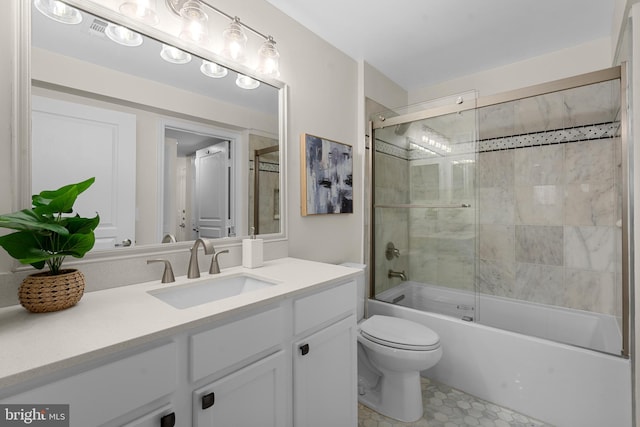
(391, 353)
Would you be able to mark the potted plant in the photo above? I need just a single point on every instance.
(46, 234)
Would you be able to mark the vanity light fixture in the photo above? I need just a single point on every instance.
(194, 26)
(58, 11)
(269, 59)
(142, 10)
(235, 41)
(246, 82)
(234, 38)
(174, 55)
(123, 35)
(211, 69)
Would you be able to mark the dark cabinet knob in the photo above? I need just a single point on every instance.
(304, 349)
(208, 400)
(168, 420)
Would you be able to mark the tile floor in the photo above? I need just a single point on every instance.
(447, 407)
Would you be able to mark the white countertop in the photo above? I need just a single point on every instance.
(111, 320)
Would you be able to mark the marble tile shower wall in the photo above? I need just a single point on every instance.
(392, 224)
(547, 224)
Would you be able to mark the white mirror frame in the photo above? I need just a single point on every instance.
(21, 124)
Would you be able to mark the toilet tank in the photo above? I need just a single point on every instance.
(360, 282)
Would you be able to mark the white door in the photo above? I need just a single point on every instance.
(212, 202)
(72, 142)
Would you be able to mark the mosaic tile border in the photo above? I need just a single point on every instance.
(559, 136)
(266, 167)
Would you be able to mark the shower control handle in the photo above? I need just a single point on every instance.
(304, 349)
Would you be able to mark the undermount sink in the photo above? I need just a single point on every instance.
(204, 291)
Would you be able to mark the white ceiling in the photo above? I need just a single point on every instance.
(419, 43)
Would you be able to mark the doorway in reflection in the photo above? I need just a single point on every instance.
(264, 184)
(199, 183)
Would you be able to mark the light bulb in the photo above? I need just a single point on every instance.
(269, 58)
(174, 55)
(123, 35)
(246, 82)
(211, 69)
(142, 10)
(235, 41)
(58, 11)
(195, 19)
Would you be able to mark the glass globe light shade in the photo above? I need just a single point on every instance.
(235, 41)
(269, 59)
(194, 27)
(142, 10)
(174, 55)
(211, 69)
(246, 82)
(123, 35)
(58, 11)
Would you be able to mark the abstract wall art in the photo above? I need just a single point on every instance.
(327, 176)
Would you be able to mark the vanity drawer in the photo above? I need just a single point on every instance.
(224, 346)
(110, 390)
(321, 307)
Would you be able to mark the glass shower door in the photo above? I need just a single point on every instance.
(424, 216)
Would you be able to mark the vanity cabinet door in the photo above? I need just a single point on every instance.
(253, 396)
(324, 377)
(162, 417)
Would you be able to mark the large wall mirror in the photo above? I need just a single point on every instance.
(178, 151)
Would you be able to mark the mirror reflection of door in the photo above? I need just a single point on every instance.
(199, 196)
(72, 142)
(213, 204)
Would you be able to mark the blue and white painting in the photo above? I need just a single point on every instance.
(328, 172)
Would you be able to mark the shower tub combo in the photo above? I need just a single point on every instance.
(500, 224)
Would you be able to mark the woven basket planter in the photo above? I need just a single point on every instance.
(42, 293)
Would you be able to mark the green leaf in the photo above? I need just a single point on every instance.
(60, 200)
(77, 245)
(26, 219)
(25, 247)
(79, 225)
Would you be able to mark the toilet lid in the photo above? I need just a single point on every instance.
(399, 333)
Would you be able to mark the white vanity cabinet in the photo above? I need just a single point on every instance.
(108, 392)
(290, 362)
(325, 364)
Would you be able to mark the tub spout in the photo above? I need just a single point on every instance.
(399, 274)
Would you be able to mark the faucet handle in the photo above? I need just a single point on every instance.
(167, 276)
(214, 268)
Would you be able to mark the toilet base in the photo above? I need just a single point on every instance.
(397, 395)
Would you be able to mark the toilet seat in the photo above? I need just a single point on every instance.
(399, 333)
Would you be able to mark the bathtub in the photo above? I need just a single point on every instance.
(564, 385)
(576, 327)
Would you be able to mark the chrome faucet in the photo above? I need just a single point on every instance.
(214, 268)
(194, 270)
(399, 274)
